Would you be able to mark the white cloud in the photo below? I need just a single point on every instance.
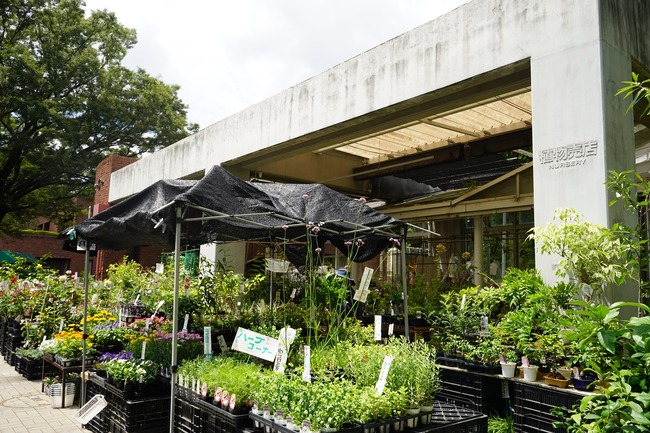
(228, 55)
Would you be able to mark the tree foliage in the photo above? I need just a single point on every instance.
(66, 102)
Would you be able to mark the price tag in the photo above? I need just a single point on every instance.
(383, 374)
(222, 344)
(391, 329)
(378, 327)
(207, 339)
(255, 344)
(187, 321)
(361, 294)
(306, 373)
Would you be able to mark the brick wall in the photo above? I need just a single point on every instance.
(103, 175)
(41, 245)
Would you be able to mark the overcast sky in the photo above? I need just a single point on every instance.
(228, 55)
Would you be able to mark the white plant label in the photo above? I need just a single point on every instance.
(383, 374)
(306, 373)
(287, 335)
(293, 294)
(207, 340)
(186, 323)
(61, 326)
(222, 344)
(377, 327)
(391, 329)
(361, 294)
(158, 306)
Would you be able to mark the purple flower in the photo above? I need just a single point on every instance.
(362, 200)
(348, 243)
(305, 197)
(395, 241)
(315, 229)
(360, 242)
(284, 227)
(318, 250)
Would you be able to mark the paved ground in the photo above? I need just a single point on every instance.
(25, 409)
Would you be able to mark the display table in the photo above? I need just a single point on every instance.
(62, 371)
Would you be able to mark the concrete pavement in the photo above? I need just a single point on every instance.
(25, 409)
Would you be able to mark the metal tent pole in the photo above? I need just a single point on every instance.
(174, 367)
(404, 291)
(84, 332)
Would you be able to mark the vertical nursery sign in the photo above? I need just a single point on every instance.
(361, 294)
(207, 342)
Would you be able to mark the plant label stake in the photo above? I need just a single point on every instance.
(187, 321)
(378, 327)
(306, 373)
(391, 329)
(361, 294)
(207, 340)
(383, 374)
(61, 326)
(280, 359)
(144, 343)
(160, 268)
(222, 344)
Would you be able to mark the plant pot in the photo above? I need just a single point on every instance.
(583, 384)
(425, 414)
(508, 369)
(412, 421)
(530, 373)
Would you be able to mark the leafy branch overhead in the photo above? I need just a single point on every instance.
(66, 102)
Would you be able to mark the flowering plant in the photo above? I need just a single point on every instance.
(123, 368)
(69, 344)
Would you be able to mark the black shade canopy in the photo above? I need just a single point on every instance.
(222, 207)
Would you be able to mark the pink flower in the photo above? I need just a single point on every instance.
(362, 200)
(318, 250)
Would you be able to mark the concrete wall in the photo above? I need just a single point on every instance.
(478, 37)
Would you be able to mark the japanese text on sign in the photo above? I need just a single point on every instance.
(255, 344)
(361, 294)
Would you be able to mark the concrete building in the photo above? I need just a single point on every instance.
(433, 122)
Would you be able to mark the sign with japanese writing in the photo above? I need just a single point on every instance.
(570, 155)
(280, 360)
(255, 344)
(361, 294)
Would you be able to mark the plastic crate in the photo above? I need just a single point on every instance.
(473, 391)
(537, 400)
(269, 426)
(187, 416)
(534, 424)
(95, 386)
(216, 420)
(449, 418)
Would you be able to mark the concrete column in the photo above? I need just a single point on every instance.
(581, 131)
(478, 250)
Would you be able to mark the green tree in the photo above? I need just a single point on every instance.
(66, 102)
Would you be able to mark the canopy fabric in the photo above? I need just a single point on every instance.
(222, 207)
(10, 256)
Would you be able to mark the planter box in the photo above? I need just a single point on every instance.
(560, 383)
